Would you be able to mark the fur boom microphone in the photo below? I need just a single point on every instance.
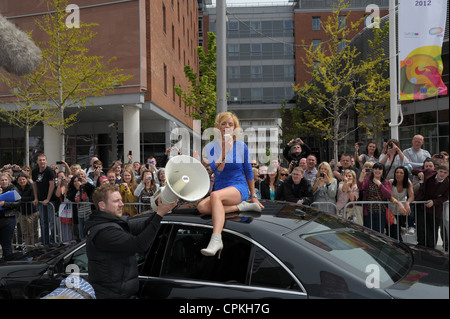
(18, 53)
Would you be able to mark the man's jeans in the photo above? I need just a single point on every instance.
(47, 221)
(6, 235)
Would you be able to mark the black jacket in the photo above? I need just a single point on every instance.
(289, 156)
(26, 200)
(293, 193)
(111, 246)
(10, 209)
(264, 190)
(88, 188)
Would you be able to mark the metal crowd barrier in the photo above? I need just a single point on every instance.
(29, 232)
(420, 227)
(430, 231)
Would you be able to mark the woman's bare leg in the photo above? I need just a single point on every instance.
(218, 204)
(223, 201)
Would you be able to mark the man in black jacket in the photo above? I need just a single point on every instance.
(113, 241)
(294, 151)
(296, 189)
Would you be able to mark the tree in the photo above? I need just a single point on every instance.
(201, 94)
(68, 75)
(373, 101)
(24, 114)
(342, 81)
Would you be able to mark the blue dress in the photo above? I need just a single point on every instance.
(237, 170)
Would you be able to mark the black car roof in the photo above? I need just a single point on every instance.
(283, 216)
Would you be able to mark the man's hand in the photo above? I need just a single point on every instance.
(164, 209)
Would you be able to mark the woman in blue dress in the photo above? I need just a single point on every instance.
(229, 159)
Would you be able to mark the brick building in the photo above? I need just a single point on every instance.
(152, 41)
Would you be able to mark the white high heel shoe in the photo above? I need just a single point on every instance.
(215, 244)
(246, 206)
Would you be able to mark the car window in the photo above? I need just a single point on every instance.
(151, 264)
(241, 261)
(267, 272)
(184, 259)
(78, 258)
(356, 250)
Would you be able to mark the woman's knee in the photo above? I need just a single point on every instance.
(215, 196)
(204, 207)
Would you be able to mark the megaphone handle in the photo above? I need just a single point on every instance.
(218, 165)
(180, 202)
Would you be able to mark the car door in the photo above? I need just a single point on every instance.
(175, 268)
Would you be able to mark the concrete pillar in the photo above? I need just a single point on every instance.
(221, 43)
(131, 132)
(52, 145)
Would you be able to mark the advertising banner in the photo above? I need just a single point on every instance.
(421, 25)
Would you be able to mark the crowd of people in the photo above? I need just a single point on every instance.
(373, 174)
(386, 174)
(48, 192)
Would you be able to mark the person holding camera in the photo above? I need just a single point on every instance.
(344, 164)
(392, 157)
(145, 190)
(80, 191)
(295, 150)
(375, 188)
(91, 168)
(348, 192)
(325, 188)
(151, 165)
(93, 176)
(10, 169)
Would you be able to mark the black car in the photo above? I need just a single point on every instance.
(287, 251)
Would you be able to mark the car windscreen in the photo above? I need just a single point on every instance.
(357, 248)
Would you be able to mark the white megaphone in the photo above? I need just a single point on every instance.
(186, 179)
(10, 196)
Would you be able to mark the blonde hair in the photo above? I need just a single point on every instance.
(81, 171)
(221, 117)
(7, 175)
(75, 166)
(327, 166)
(353, 174)
(368, 164)
(133, 183)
